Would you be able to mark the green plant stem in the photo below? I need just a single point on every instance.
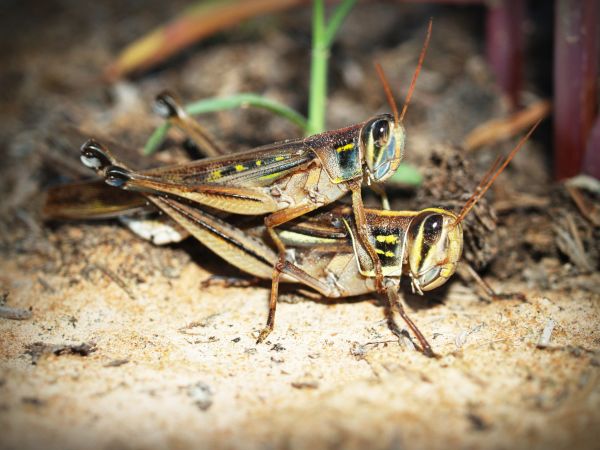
(322, 39)
(244, 100)
(223, 103)
(156, 138)
(318, 72)
(337, 19)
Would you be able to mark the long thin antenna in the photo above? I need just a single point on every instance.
(482, 183)
(480, 192)
(388, 91)
(417, 70)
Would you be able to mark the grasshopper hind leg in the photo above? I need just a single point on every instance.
(169, 108)
(283, 267)
(264, 333)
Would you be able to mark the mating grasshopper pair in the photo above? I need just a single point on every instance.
(339, 253)
(323, 251)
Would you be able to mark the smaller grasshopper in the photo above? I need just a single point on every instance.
(324, 253)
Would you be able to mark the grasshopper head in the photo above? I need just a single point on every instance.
(435, 246)
(382, 140)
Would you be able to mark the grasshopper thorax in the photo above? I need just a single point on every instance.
(434, 248)
(382, 142)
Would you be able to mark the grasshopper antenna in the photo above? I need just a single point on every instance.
(482, 183)
(388, 92)
(491, 176)
(417, 70)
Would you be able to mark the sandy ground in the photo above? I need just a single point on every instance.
(126, 348)
(176, 366)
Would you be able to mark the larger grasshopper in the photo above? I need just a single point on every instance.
(284, 180)
(323, 251)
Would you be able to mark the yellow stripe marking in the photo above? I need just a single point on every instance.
(346, 147)
(215, 175)
(388, 239)
(271, 175)
(279, 158)
(240, 168)
(304, 238)
(258, 162)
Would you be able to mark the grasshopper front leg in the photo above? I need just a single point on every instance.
(363, 236)
(396, 303)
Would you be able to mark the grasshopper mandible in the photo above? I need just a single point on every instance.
(284, 180)
(323, 251)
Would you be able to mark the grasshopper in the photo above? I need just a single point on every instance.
(284, 180)
(323, 250)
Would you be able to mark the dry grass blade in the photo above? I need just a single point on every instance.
(199, 21)
(493, 131)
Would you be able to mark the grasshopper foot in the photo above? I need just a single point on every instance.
(428, 351)
(265, 332)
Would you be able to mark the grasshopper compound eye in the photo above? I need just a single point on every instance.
(435, 244)
(382, 140)
(380, 130)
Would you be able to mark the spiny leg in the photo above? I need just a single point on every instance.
(271, 222)
(395, 301)
(272, 304)
(299, 275)
(280, 217)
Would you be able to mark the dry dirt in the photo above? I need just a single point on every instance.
(126, 348)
